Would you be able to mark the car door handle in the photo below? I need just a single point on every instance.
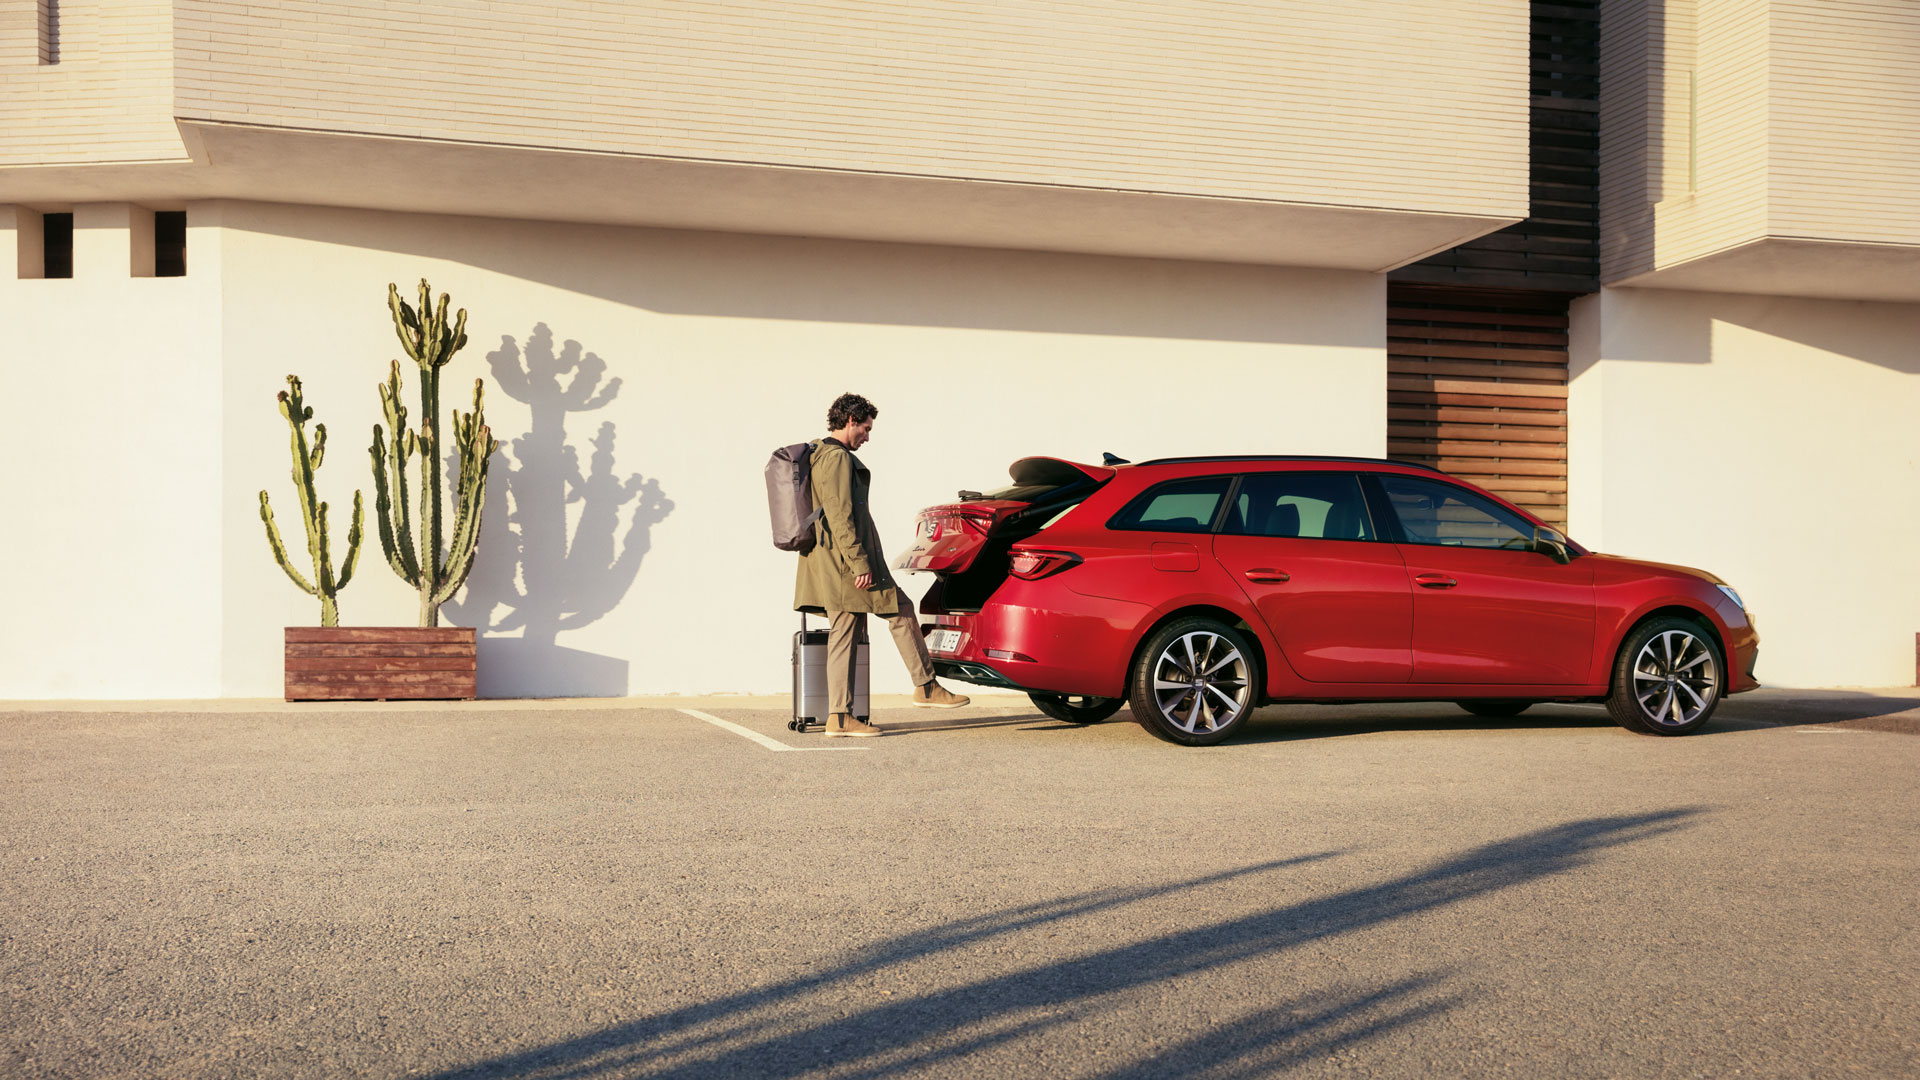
(1265, 573)
(1434, 581)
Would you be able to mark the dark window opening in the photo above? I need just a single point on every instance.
(56, 232)
(49, 33)
(170, 243)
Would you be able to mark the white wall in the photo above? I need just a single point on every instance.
(1771, 441)
(724, 346)
(110, 473)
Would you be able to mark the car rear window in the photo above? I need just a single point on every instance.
(1175, 506)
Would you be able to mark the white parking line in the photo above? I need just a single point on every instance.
(763, 740)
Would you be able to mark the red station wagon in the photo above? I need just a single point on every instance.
(1196, 589)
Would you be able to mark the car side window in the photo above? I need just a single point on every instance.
(1175, 506)
(1308, 505)
(1433, 512)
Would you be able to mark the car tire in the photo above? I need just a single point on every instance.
(1076, 709)
(1667, 679)
(1195, 682)
(1495, 710)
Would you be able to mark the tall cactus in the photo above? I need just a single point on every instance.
(312, 511)
(419, 560)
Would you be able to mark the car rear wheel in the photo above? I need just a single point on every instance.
(1495, 710)
(1076, 709)
(1194, 682)
(1667, 679)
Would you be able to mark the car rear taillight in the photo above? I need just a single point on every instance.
(947, 520)
(981, 518)
(1031, 564)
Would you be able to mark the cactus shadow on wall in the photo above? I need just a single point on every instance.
(556, 557)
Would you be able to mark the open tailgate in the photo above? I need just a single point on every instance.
(950, 536)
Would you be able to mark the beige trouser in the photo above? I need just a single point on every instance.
(845, 628)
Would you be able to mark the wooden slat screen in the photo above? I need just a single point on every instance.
(1477, 386)
(1557, 248)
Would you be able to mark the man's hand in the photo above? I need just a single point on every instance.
(863, 581)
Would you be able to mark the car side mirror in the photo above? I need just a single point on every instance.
(1552, 543)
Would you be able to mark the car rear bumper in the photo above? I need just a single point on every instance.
(979, 674)
(1021, 640)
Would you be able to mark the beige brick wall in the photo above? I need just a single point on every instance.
(1731, 121)
(1377, 103)
(1632, 43)
(1684, 140)
(109, 98)
(1845, 120)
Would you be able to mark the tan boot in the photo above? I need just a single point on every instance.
(836, 725)
(935, 696)
(859, 727)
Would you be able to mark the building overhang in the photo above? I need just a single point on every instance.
(276, 164)
(1796, 266)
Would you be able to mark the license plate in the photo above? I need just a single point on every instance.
(943, 641)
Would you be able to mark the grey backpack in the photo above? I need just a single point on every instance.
(790, 497)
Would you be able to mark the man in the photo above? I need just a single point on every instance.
(845, 575)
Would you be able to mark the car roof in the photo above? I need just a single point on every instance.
(1180, 468)
(1239, 459)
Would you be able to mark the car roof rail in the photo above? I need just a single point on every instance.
(1292, 457)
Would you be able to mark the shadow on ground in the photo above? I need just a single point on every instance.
(1284, 723)
(830, 1019)
(1846, 708)
(1760, 709)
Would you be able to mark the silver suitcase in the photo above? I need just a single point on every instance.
(810, 677)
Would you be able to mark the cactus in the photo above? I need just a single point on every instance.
(419, 560)
(306, 461)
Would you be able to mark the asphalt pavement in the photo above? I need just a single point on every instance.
(684, 888)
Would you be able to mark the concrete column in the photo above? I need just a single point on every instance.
(22, 244)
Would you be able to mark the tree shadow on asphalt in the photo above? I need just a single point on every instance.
(828, 1020)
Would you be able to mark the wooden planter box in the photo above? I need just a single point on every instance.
(379, 663)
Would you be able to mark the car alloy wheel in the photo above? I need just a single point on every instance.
(1194, 682)
(1668, 681)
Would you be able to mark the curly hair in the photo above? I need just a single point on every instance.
(849, 409)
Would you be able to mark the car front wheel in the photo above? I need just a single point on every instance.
(1194, 682)
(1667, 679)
(1074, 709)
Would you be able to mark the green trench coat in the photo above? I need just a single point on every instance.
(845, 542)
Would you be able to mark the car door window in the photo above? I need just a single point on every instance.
(1177, 506)
(1306, 505)
(1434, 512)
